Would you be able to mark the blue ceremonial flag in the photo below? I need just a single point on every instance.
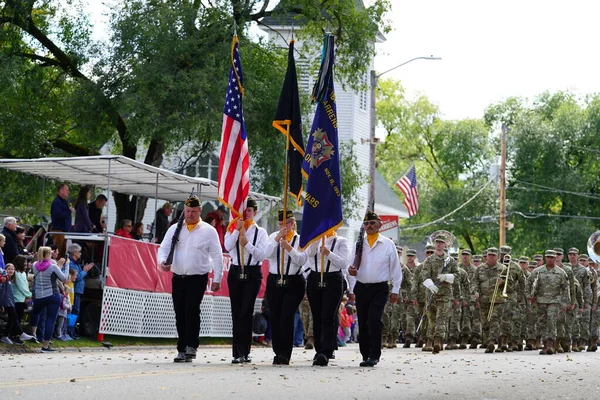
(322, 213)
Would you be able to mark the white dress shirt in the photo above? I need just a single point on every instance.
(337, 259)
(298, 258)
(379, 263)
(196, 252)
(254, 254)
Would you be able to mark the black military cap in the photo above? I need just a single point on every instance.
(371, 216)
(251, 203)
(289, 214)
(192, 201)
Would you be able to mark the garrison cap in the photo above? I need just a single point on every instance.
(251, 203)
(505, 249)
(466, 252)
(492, 250)
(192, 201)
(371, 216)
(524, 259)
(559, 250)
(411, 252)
(288, 214)
(550, 253)
(538, 257)
(573, 250)
(583, 257)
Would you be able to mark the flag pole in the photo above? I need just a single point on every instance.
(322, 260)
(285, 190)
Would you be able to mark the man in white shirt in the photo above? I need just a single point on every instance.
(325, 296)
(379, 264)
(197, 251)
(245, 241)
(285, 288)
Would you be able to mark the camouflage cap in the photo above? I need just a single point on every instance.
(558, 250)
(429, 247)
(505, 249)
(532, 264)
(492, 250)
(573, 250)
(524, 259)
(583, 257)
(477, 257)
(538, 257)
(465, 252)
(550, 253)
(454, 254)
(411, 252)
(484, 253)
(440, 238)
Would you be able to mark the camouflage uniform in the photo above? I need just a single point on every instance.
(419, 292)
(472, 320)
(533, 333)
(550, 290)
(461, 291)
(439, 309)
(590, 300)
(595, 322)
(565, 323)
(484, 282)
(409, 311)
(307, 322)
(524, 312)
(392, 314)
(510, 327)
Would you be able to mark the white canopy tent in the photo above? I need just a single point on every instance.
(120, 174)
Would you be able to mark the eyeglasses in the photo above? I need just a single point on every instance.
(367, 223)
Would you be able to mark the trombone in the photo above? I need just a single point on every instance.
(495, 293)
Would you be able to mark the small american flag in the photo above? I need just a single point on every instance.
(234, 169)
(408, 185)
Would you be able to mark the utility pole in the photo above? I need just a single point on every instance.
(503, 187)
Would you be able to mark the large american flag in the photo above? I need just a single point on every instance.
(234, 170)
(408, 186)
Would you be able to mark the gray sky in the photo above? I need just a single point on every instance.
(492, 50)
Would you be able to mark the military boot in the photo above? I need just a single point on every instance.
(501, 345)
(490, 347)
(566, 345)
(550, 348)
(463, 343)
(558, 345)
(543, 351)
(519, 344)
(576, 345)
(428, 346)
(473, 344)
(437, 344)
(407, 342)
(451, 344)
(504, 345)
(391, 343)
(593, 346)
(581, 345)
(419, 343)
(538, 344)
(310, 343)
(529, 344)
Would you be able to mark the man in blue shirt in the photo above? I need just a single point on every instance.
(61, 212)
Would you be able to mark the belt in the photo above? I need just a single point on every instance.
(246, 266)
(186, 276)
(373, 284)
(312, 271)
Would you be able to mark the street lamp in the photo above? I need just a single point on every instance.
(372, 141)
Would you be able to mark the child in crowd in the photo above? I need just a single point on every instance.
(65, 308)
(21, 290)
(70, 288)
(7, 304)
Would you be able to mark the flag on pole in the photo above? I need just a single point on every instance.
(322, 213)
(234, 168)
(288, 118)
(408, 185)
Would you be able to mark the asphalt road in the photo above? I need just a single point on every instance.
(149, 373)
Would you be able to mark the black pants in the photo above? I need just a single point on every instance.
(188, 291)
(242, 294)
(324, 305)
(13, 326)
(283, 303)
(370, 302)
(20, 309)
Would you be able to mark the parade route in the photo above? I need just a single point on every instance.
(402, 373)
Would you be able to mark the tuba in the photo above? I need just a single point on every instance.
(593, 246)
(449, 238)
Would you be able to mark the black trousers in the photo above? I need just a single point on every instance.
(242, 294)
(188, 291)
(370, 302)
(283, 303)
(324, 305)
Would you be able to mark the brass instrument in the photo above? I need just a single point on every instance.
(495, 293)
(593, 246)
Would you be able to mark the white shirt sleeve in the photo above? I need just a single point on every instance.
(395, 271)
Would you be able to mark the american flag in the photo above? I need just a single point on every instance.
(234, 169)
(408, 185)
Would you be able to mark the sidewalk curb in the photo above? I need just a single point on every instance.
(12, 350)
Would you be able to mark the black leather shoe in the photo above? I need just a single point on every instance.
(370, 362)
(237, 360)
(321, 360)
(284, 360)
(276, 360)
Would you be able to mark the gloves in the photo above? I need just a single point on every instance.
(428, 283)
(446, 278)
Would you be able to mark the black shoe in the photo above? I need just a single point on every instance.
(190, 352)
(320, 360)
(276, 360)
(181, 358)
(237, 360)
(370, 362)
(284, 360)
(246, 359)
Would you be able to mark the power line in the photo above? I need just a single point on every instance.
(551, 189)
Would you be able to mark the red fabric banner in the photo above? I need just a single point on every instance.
(132, 264)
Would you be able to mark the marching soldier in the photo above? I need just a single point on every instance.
(244, 241)
(510, 328)
(306, 317)
(590, 299)
(524, 309)
(595, 321)
(392, 313)
(487, 280)
(565, 323)
(285, 289)
(409, 301)
(475, 333)
(439, 272)
(533, 329)
(550, 290)
(379, 265)
(325, 297)
(421, 296)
